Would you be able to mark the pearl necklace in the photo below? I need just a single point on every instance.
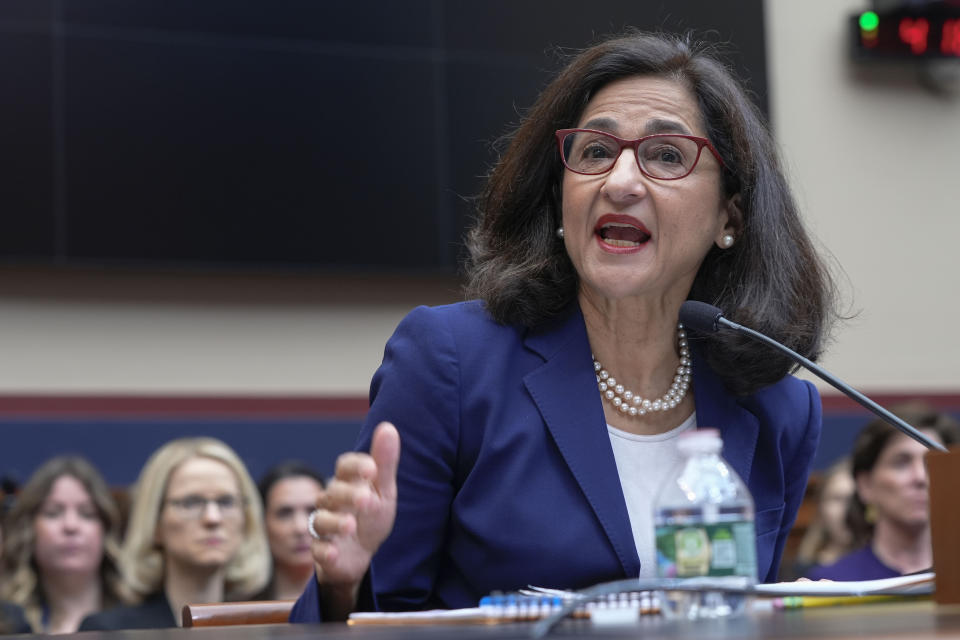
(631, 403)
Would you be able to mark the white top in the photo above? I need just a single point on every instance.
(644, 462)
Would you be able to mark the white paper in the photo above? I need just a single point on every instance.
(917, 583)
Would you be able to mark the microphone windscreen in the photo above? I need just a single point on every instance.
(700, 316)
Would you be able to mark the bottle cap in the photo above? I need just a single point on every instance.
(700, 441)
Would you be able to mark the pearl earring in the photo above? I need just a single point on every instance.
(560, 232)
(727, 241)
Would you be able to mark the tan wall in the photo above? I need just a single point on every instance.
(115, 332)
(875, 161)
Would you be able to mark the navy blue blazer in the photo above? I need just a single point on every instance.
(507, 476)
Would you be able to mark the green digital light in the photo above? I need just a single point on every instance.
(869, 21)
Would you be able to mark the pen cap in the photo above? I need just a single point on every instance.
(700, 441)
(703, 478)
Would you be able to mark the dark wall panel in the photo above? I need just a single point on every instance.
(380, 23)
(27, 186)
(245, 133)
(231, 154)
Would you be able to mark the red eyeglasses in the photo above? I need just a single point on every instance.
(662, 156)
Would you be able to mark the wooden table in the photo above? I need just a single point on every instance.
(906, 620)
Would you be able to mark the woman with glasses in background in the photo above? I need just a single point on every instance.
(60, 549)
(195, 535)
(538, 421)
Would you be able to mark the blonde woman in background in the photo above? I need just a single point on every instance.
(61, 547)
(195, 535)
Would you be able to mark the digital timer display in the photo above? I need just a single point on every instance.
(914, 32)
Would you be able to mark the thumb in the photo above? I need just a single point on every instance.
(385, 450)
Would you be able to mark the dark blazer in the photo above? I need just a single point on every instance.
(152, 613)
(12, 619)
(862, 564)
(507, 476)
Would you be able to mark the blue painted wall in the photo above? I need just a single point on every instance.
(120, 446)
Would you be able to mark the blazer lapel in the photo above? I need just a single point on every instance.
(718, 408)
(565, 391)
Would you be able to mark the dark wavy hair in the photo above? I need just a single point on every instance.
(283, 470)
(870, 444)
(273, 475)
(771, 279)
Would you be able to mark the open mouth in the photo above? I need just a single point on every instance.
(622, 235)
(621, 232)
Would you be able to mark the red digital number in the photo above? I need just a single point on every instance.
(950, 41)
(914, 33)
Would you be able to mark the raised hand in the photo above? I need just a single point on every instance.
(354, 515)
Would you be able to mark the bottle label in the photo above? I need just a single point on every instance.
(716, 549)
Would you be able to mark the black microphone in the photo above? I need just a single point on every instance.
(706, 318)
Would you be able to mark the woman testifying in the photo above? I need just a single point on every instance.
(538, 421)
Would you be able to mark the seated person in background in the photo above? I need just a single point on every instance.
(828, 536)
(289, 492)
(12, 619)
(8, 492)
(61, 546)
(889, 514)
(643, 176)
(195, 535)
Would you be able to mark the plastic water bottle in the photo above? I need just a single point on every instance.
(703, 519)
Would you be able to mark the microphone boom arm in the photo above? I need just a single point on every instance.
(836, 383)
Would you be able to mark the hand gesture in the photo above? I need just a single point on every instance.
(355, 514)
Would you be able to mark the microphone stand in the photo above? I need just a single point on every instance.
(943, 466)
(836, 382)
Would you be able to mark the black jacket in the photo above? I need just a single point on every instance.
(12, 619)
(152, 613)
